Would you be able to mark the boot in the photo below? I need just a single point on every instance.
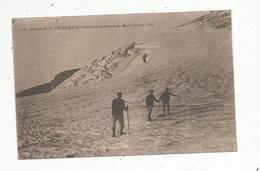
(114, 132)
(122, 132)
(149, 117)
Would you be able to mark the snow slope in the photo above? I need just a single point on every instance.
(74, 120)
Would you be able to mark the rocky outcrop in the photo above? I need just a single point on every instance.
(101, 68)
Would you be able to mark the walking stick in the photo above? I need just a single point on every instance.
(159, 109)
(128, 127)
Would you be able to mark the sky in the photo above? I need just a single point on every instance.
(41, 54)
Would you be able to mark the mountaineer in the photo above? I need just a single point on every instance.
(165, 98)
(150, 104)
(118, 107)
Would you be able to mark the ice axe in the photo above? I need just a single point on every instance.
(159, 106)
(127, 113)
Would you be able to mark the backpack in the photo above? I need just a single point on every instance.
(147, 101)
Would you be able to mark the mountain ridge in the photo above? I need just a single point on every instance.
(214, 19)
(118, 60)
(47, 87)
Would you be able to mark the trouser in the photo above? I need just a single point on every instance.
(150, 110)
(119, 117)
(166, 105)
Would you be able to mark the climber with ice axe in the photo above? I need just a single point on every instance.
(118, 107)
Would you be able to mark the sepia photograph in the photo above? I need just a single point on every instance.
(124, 84)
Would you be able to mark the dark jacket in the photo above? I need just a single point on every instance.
(165, 97)
(150, 100)
(118, 106)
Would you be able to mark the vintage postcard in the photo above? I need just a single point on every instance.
(134, 84)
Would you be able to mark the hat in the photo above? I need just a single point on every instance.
(151, 91)
(119, 94)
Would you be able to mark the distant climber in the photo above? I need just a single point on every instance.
(165, 98)
(150, 104)
(118, 107)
